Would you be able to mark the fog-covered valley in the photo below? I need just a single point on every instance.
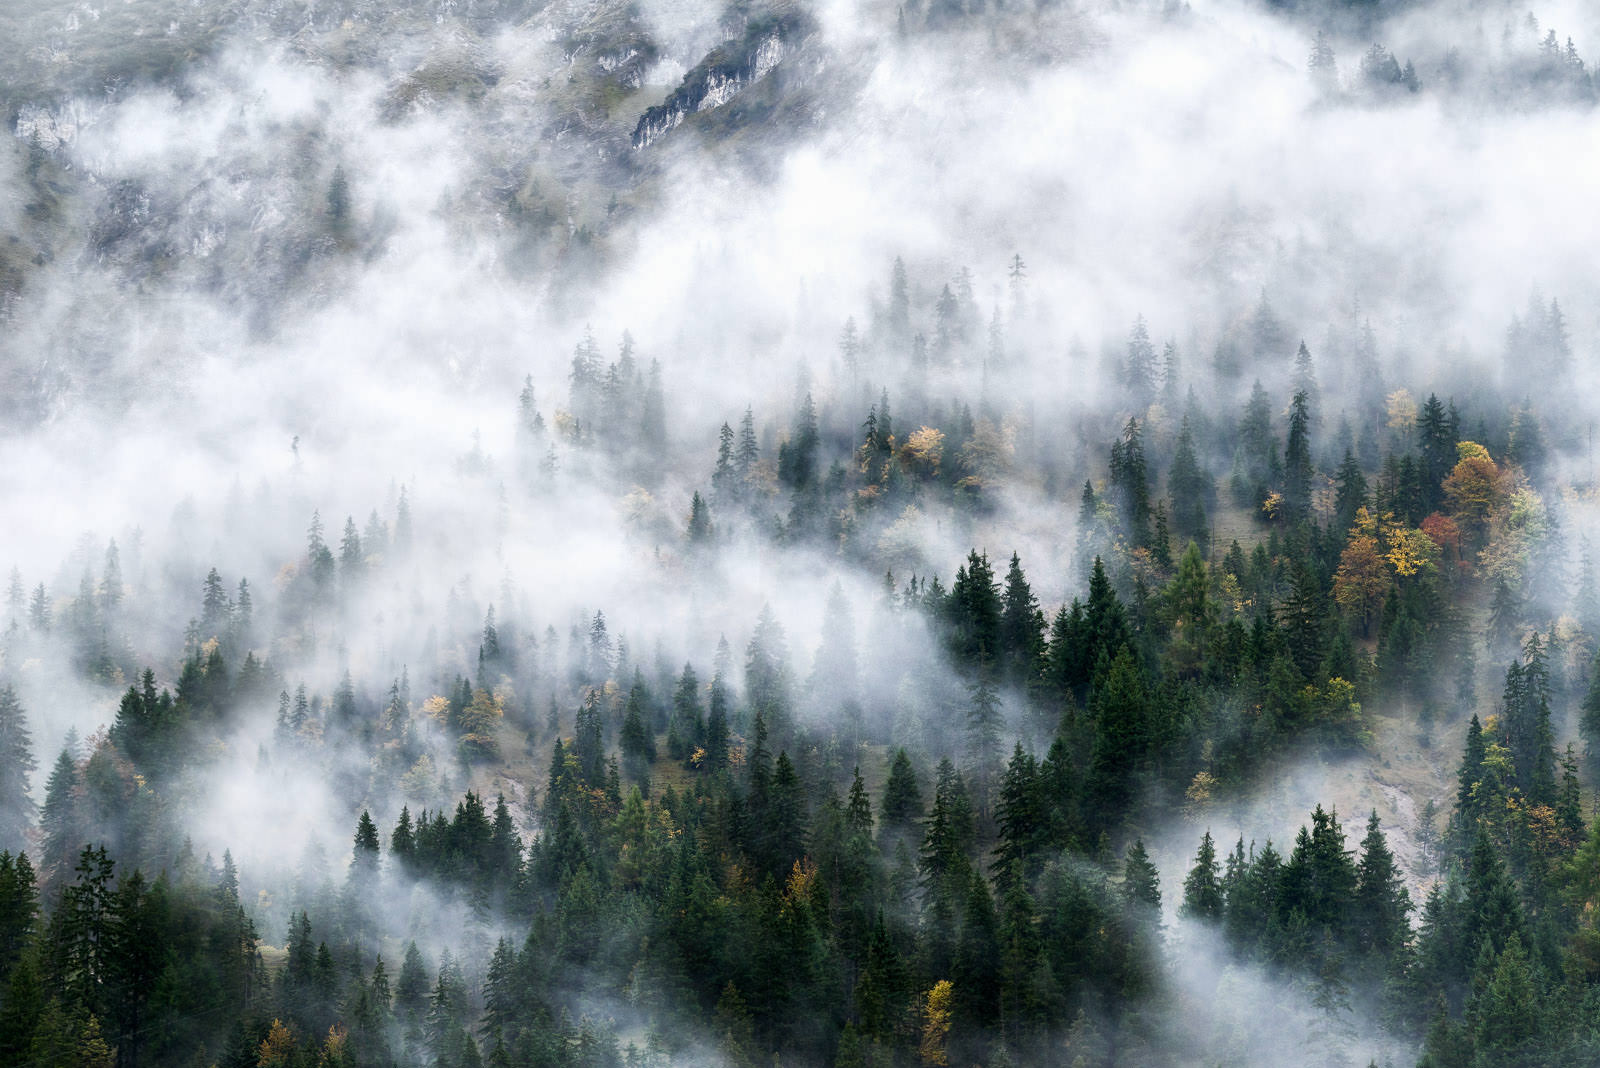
(660, 533)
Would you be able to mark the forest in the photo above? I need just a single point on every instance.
(540, 536)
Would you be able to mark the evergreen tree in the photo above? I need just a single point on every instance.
(1124, 733)
(1351, 493)
(784, 835)
(699, 530)
(16, 769)
(1021, 817)
(1141, 883)
(1297, 460)
(364, 856)
(724, 480)
(975, 611)
(637, 742)
(717, 726)
(1021, 627)
(984, 723)
(748, 452)
(63, 818)
(1130, 484)
(1202, 888)
(902, 799)
(1140, 368)
(1381, 902)
(1188, 486)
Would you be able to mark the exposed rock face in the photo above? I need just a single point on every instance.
(39, 126)
(728, 70)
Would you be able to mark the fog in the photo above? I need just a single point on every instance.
(199, 349)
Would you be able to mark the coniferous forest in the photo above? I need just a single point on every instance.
(619, 533)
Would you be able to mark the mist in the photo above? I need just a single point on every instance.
(413, 389)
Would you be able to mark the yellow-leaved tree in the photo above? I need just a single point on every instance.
(921, 453)
(278, 1048)
(936, 1023)
(1473, 491)
(1362, 581)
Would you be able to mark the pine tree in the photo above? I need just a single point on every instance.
(587, 744)
(717, 726)
(1171, 375)
(1140, 369)
(78, 947)
(19, 910)
(16, 768)
(1257, 450)
(699, 529)
(1381, 902)
(215, 608)
(899, 313)
(1305, 378)
(1021, 627)
(1304, 614)
(1021, 818)
(1130, 484)
(975, 970)
(63, 818)
(1508, 1016)
(402, 524)
(984, 722)
(1202, 890)
(364, 856)
(1492, 909)
(637, 743)
(748, 452)
(1141, 883)
(686, 726)
(411, 993)
(501, 995)
(785, 831)
(724, 480)
(1297, 460)
(1525, 716)
(1324, 67)
(1188, 486)
(975, 613)
(766, 673)
(1351, 493)
(243, 629)
(902, 799)
(111, 583)
(949, 830)
(1124, 732)
(1320, 877)
(39, 610)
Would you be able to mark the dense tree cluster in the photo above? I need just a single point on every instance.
(929, 843)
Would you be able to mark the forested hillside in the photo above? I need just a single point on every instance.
(946, 534)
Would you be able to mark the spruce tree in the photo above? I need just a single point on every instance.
(1202, 889)
(717, 727)
(16, 769)
(1130, 484)
(1021, 818)
(984, 724)
(1297, 461)
(1021, 627)
(1141, 883)
(638, 745)
(364, 856)
(1188, 486)
(902, 799)
(63, 818)
(1381, 902)
(1123, 735)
